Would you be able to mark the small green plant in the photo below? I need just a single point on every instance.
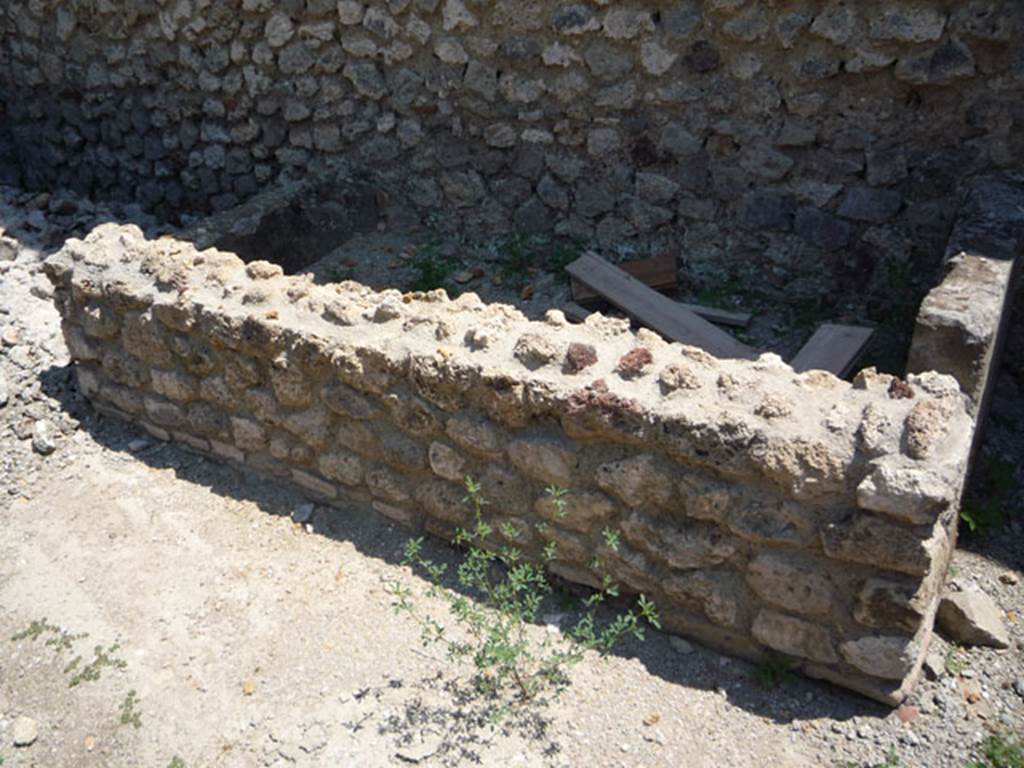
(773, 670)
(999, 752)
(563, 253)
(129, 714)
(432, 269)
(103, 657)
(984, 510)
(60, 639)
(500, 596)
(518, 254)
(339, 273)
(176, 762)
(953, 661)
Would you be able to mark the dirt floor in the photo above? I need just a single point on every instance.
(161, 610)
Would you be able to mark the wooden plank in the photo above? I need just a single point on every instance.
(652, 309)
(833, 348)
(657, 272)
(578, 314)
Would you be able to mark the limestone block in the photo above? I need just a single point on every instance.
(794, 637)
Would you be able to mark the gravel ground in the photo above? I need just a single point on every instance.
(212, 629)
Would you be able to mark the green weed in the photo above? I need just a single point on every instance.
(500, 595)
(953, 662)
(432, 269)
(999, 752)
(129, 714)
(176, 762)
(773, 670)
(103, 657)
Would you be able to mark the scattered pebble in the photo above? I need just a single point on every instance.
(24, 732)
(44, 440)
(681, 646)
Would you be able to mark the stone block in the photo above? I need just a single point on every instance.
(794, 637)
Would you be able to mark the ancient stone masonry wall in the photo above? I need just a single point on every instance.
(797, 133)
(763, 510)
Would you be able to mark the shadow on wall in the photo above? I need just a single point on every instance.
(799, 699)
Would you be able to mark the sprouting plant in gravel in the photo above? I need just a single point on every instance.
(953, 662)
(129, 714)
(999, 752)
(102, 657)
(432, 269)
(176, 762)
(500, 595)
(773, 670)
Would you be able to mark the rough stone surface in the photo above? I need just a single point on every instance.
(24, 732)
(971, 617)
(744, 521)
(745, 105)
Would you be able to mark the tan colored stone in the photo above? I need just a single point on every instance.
(679, 544)
(638, 481)
(794, 637)
(891, 604)
(342, 466)
(446, 462)
(583, 512)
(791, 582)
(891, 657)
(866, 539)
(544, 460)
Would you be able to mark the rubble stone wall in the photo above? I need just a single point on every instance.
(762, 509)
(796, 133)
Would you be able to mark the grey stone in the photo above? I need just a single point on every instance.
(867, 204)
(763, 210)
(606, 63)
(574, 19)
(822, 229)
(680, 646)
(678, 141)
(886, 166)
(655, 188)
(972, 617)
(906, 22)
(278, 30)
(948, 62)
(891, 657)
(766, 161)
(603, 141)
(44, 437)
(367, 79)
(552, 193)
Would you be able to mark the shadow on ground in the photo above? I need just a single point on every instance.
(797, 699)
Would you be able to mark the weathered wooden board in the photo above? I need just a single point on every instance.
(652, 309)
(657, 272)
(833, 348)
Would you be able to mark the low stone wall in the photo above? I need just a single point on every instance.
(961, 327)
(763, 510)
